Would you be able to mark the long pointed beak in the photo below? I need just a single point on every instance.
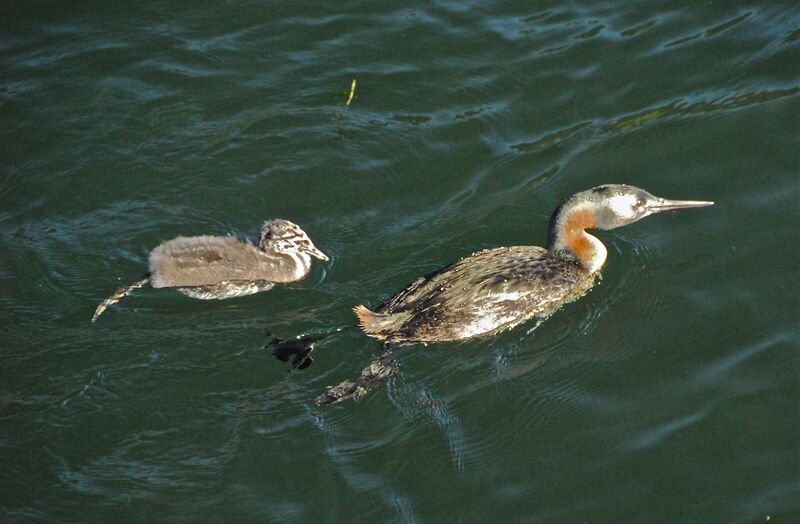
(662, 204)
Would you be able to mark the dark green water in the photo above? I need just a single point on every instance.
(668, 394)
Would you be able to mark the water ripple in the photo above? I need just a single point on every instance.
(123, 128)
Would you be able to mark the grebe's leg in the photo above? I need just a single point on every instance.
(380, 370)
(119, 294)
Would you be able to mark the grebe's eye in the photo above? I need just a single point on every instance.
(640, 203)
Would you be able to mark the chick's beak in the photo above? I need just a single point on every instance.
(314, 252)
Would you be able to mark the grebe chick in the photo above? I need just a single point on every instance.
(497, 289)
(218, 267)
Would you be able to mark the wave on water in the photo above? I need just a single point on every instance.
(681, 108)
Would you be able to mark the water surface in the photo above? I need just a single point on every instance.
(667, 394)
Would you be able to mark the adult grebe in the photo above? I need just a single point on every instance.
(497, 289)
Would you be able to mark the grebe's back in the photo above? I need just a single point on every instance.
(488, 291)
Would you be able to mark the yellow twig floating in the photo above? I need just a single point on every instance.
(352, 93)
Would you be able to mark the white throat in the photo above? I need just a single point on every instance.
(598, 256)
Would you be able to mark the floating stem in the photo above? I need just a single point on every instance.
(352, 93)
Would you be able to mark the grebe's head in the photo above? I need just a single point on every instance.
(287, 237)
(619, 205)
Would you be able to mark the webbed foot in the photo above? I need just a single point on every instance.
(299, 348)
(379, 371)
